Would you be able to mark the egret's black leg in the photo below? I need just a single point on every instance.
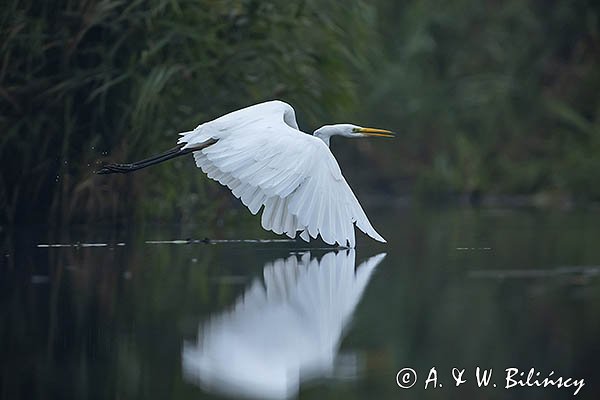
(158, 158)
(130, 167)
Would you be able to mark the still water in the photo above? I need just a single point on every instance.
(145, 313)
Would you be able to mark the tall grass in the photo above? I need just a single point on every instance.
(86, 81)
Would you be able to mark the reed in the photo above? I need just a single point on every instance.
(83, 82)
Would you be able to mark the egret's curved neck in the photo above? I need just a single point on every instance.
(323, 136)
(325, 133)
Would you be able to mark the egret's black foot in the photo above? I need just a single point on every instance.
(116, 169)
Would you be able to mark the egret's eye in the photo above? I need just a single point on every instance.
(355, 130)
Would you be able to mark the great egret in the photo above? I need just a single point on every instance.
(283, 332)
(260, 154)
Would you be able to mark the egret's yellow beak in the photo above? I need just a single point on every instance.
(376, 132)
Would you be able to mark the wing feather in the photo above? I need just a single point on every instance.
(257, 202)
(267, 212)
(266, 161)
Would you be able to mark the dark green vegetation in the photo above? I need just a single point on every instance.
(84, 81)
(494, 97)
(489, 97)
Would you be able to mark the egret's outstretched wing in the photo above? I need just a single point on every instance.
(266, 161)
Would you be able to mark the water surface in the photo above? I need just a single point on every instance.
(159, 313)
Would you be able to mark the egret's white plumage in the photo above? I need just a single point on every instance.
(266, 161)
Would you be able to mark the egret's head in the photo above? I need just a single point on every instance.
(349, 130)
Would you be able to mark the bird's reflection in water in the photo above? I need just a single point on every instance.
(283, 332)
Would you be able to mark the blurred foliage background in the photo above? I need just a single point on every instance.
(494, 97)
(489, 98)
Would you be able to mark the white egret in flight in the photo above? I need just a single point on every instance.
(260, 154)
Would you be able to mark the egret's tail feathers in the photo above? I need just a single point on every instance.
(176, 151)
